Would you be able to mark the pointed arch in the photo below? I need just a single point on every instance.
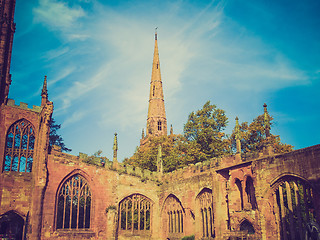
(73, 203)
(19, 148)
(135, 214)
(294, 201)
(246, 226)
(11, 226)
(205, 205)
(173, 216)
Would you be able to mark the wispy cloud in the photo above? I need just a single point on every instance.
(104, 63)
(57, 14)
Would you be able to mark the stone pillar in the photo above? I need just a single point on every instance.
(40, 171)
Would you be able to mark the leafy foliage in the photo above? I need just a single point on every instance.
(204, 133)
(55, 138)
(96, 159)
(253, 137)
(203, 139)
(146, 155)
(188, 238)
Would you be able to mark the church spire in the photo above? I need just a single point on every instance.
(156, 121)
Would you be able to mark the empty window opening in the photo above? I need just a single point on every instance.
(153, 90)
(294, 206)
(135, 213)
(19, 147)
(250, 191)
(74, 204)
(239, 185)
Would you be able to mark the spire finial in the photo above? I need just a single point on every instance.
(171, 130)
(44, 88)
(156, 33)
(115, 151)
(44, 92)
(237, 135)
(237, 129)
(266, 121)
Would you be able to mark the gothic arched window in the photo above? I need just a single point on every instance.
(174, 215)
(294, 207)
(206, 213)
(19, 147)
(135, 213)
(74, 204)
(11, 226)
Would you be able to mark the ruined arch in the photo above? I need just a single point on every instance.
(12, 226)
(19, 148)
(246, 225)
(295, 205)
(73, 202)
(173, 217)
(205, 217)
(135, 215)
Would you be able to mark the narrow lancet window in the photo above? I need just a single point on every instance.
(19, 147)
(159, 126)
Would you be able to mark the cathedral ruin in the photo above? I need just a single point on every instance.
(48, 194)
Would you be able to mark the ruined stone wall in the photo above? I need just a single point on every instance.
(108, 187)
(15, 187)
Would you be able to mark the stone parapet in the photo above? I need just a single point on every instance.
(24, 106)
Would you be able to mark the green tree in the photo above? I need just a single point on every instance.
(96, 159)
(204, 133)
(55, 138)
(145, 156)
(253, 136)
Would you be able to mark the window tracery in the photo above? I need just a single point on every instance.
(135, 213)
(206, 213)
(74, 204)
(19, 147)
(175, 215)
(294, 207)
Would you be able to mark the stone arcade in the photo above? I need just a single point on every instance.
(53, 195)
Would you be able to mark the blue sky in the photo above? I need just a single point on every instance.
(98, 55)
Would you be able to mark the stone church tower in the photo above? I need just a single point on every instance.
(156, 121)
(7, 28)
